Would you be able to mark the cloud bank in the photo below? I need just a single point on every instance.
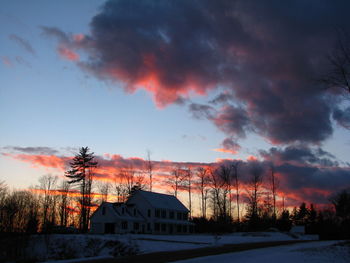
(262, 56)
(304, 175)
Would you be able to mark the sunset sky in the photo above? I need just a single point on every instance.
(191, 81)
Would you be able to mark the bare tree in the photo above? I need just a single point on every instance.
(216, 185)
(274, 185)
(236, 185)
(175, 179)
(224, 173)
(64, 202)
(104, 190)
(149, 169)
(254, 193)
(188, 179)
(203, 183)
(47, 184)
(338, 75)
(132, 178)
(119, 188)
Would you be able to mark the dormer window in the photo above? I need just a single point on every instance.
(103, 210)
(123, 210)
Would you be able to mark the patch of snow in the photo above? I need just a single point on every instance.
(67, 247)
(313, 252)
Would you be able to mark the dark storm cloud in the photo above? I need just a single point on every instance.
(300, 155)
(263, 55)
(232, 120)
(296, 177)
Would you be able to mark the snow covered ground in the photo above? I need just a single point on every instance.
(64, 247)
(163, 243)
(314, 252)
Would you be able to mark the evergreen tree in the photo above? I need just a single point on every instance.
(302, 214)
(81, 174)
(284, 222)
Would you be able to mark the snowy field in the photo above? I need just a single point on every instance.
(314, 252)
(180, 242)
(66, 248)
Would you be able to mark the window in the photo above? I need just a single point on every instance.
(123, 210)
(103, 210)
(149, 212)
(163, 213)
(185, 216)
(171, 215)
(136, 226)
(163, 227)
(124, 225)
(157, 213)
(184, 228)
(156, 226)
(148, 227)
(179, 216)
(135, 212)
(179, 228)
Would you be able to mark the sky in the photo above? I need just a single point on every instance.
(193, 82)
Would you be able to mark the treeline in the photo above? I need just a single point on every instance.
(328, 223)
(233, 195)
(37, 209)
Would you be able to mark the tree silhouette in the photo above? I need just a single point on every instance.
(81, 174)
(338, 72)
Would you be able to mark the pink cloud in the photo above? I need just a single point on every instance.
(67, 53)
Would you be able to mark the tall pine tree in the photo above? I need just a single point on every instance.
(81, 174)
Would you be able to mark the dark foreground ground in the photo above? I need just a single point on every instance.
(159, 257)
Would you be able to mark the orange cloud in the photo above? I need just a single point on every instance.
(78, 38)
(67, 53)
(48, 161)
(252, 158)
(225, 150)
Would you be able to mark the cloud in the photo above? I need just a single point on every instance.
(229, 146)
(233, 121)
(342, 117)
(23, 43)
(300, 155)
(304, 175)
(67, 53)
(201, 111)
(31, 150)
(37, 161)
(262, 56)
(68, 43)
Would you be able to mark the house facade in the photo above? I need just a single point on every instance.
(144, 212)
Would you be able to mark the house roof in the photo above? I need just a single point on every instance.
(163, 201)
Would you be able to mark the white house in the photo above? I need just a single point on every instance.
(143, 212)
